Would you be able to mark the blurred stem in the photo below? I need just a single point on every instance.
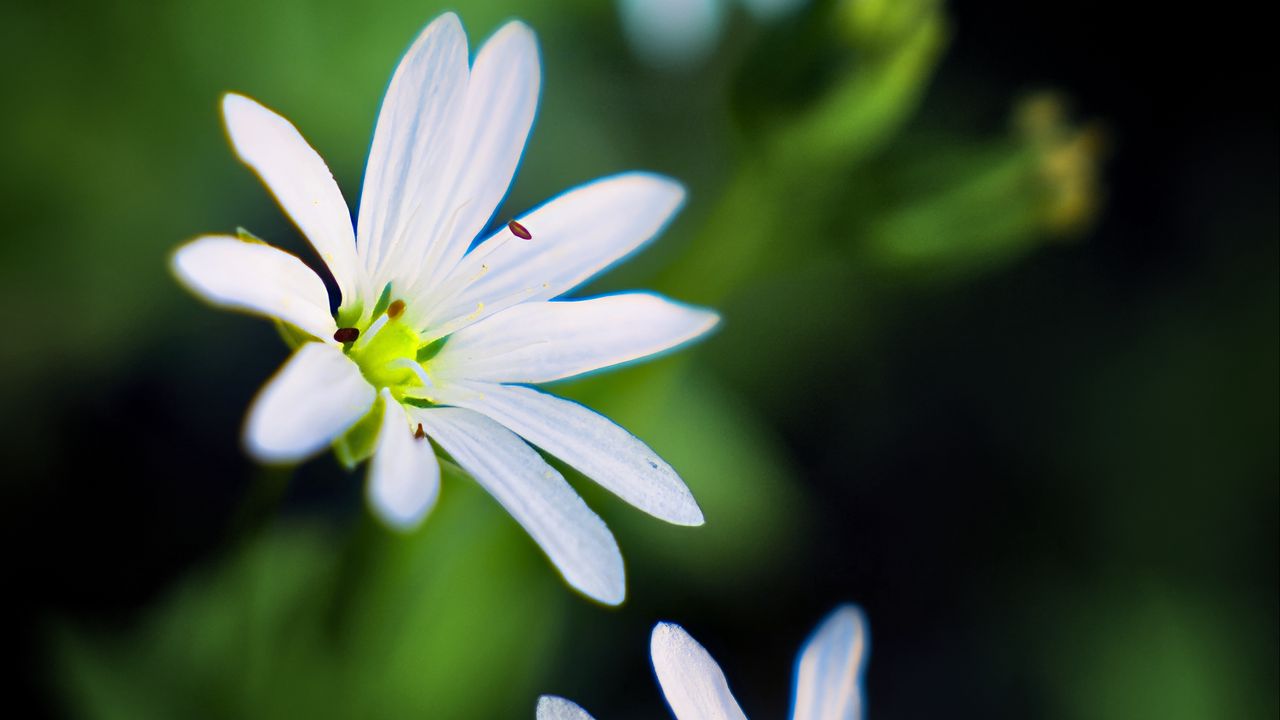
(990, 213)
(878, 92)
(779, 201)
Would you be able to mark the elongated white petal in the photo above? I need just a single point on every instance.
(412, 144)
(317, 395)
(574, 237)
(551, 707)
(300, 181)
(544, 341)
(404, 475)
(502, 97)
(573, 537)
(691, 680)
(589, 442)
(232, 273)
(829, 669)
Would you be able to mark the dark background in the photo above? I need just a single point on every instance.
(1052, 485)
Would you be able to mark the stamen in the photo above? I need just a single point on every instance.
(346, 335)
(419, 433)
(374, 329)
(519, 230)
(395, 309)
(415, 368)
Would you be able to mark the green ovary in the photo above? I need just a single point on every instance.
(386, 356)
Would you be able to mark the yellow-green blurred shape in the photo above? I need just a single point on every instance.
(1069, 160)
(1041, 182)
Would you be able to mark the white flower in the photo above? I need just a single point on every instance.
(436, 339)
(828, 675)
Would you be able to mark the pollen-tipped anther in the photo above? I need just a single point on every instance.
(346, 335)
(519, 230)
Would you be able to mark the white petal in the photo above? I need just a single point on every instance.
(544, 341)
(691, 680)
(551, 707)
(317, 395)
(404, 476)
(502, 98)
(589, 442)
(414, 139)
(300, 181)
(829, 669)
(232, 273)
(573, 537)
(575, 236)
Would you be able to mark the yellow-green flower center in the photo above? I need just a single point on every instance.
(390, 354)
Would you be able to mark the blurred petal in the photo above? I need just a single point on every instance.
(692, 682)
(415, 135)
(404, 475)
(572, 536)
(672, 33)
(232, 273)
(829, 669)
(551, 707)
(501, 101)
(575, 236)
(300, 181)
(544, 341)
(589, 442)
(317, 395)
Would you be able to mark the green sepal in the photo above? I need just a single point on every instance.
(292, 335)
(418, 402)
(358, 443)
(249, 237)
(431, 349)
(383, 301)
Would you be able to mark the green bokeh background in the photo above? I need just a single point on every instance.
(999, 363)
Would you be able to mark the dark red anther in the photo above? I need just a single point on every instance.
(419, 433)
(346, 335)
(519, 230)
(395, 309)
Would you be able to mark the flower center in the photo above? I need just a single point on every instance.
(391, 354)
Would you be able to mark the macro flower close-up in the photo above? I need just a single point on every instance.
(424, 359)
(434, 338)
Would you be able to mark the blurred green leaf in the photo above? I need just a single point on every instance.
(454, 621)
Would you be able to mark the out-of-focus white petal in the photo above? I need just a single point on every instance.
(545, 341)
(691, 680)
(574, 237)
(404, 475)
(829, 669)
(300, 181)
(232, 273)
(414, 138)
(573, 537)
(502, 97)
(551, 707)
(591, 443)
(672, 33)
(315, 396)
